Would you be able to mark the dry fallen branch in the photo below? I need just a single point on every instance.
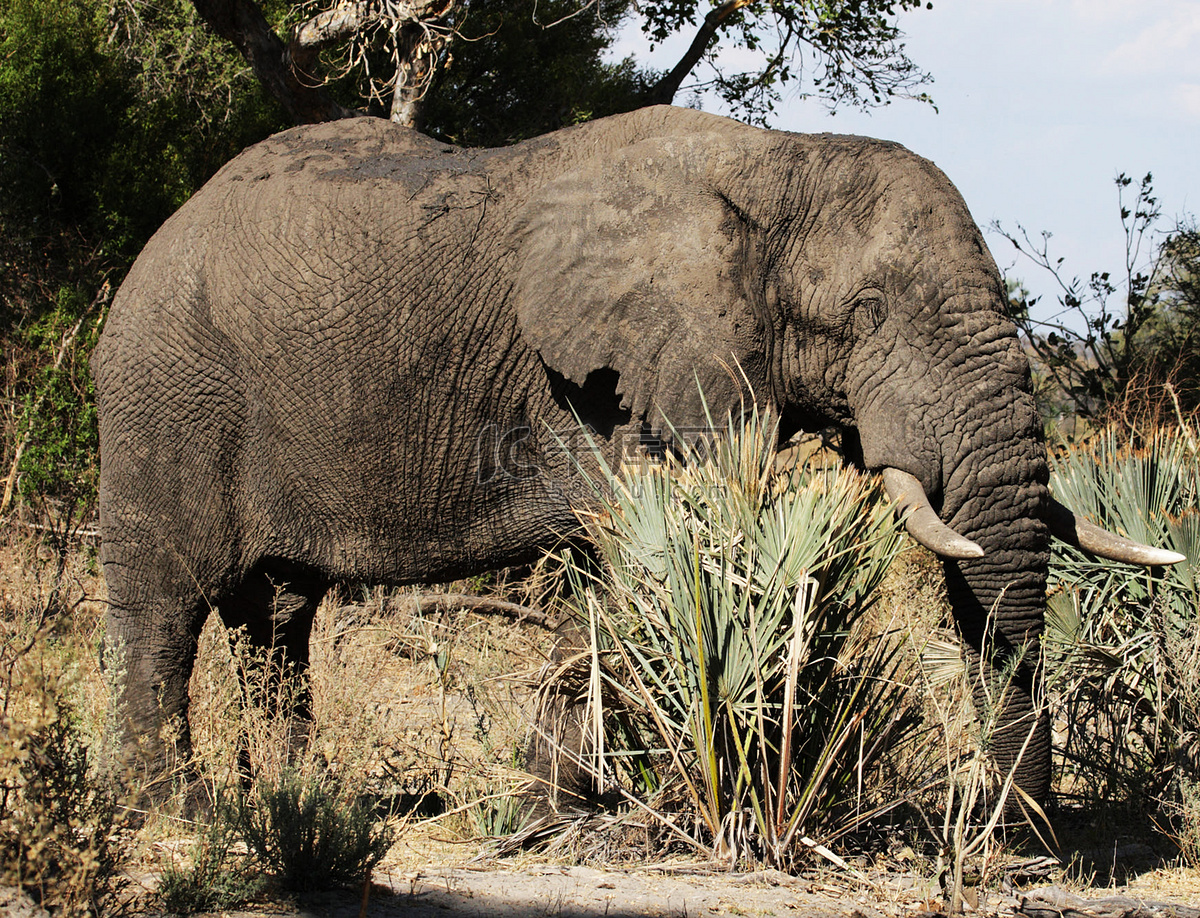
(1053, 902)
(453, 602)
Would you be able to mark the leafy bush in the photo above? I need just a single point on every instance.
(90, 166)
(1123, 642)
(725, 679)
(1114, 340)
(59, 441)
(310, 834)
(214, 878)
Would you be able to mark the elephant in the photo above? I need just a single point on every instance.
(350, 355)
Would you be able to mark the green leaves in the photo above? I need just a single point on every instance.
(509, 76)
(111, 115)
(849, 51)
(731, 674)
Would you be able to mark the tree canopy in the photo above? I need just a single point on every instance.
(400, 53)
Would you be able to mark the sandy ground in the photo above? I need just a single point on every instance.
(687, 891)
(426, 875)
(533, 891)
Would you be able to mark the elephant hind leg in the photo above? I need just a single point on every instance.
(275, 605)
(151, 637)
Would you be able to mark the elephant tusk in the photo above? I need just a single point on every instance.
(922, 522)
(1075, 530)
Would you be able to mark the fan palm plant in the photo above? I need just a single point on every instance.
(728, 690)
(1123, 642)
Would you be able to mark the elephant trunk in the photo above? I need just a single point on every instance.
(997, 498)
(998, 603)
(973, 486)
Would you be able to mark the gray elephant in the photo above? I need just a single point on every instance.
(345, 358)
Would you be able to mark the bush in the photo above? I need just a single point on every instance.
(310, 834)
(214, 877)
(56, 816)
(725, 679)
(58, 440)
(111, 116)
(1116, 339)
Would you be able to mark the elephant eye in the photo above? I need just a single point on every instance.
(872, 308)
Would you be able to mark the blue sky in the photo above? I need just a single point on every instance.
(1041, 103)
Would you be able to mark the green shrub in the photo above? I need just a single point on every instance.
(58, 438)
(310, 834)
(725, 678)
(1123, 642)
(214, 877)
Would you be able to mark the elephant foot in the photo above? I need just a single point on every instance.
(556, 764)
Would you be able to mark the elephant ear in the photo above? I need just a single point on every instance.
(632, 287)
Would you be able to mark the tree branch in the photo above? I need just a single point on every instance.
(419, 45)
(242, 22)
(663, 92)
(329, 27)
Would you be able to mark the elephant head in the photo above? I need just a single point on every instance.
(849, 281)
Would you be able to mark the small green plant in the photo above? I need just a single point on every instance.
(214, 876)
(310, 833)
(499, 815)
(727, 687)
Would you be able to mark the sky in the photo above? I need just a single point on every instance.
(1041, 104)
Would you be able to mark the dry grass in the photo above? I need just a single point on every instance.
(421, 710)
(56, 808)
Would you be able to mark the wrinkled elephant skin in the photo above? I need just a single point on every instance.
(346, 357)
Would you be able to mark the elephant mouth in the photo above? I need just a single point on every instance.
(924, 525)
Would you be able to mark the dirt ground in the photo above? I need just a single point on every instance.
(449, 889)
(415, 883)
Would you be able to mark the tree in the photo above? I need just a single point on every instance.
(112, 112)
(509, 78)
(1118, 341)
(856, 54)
